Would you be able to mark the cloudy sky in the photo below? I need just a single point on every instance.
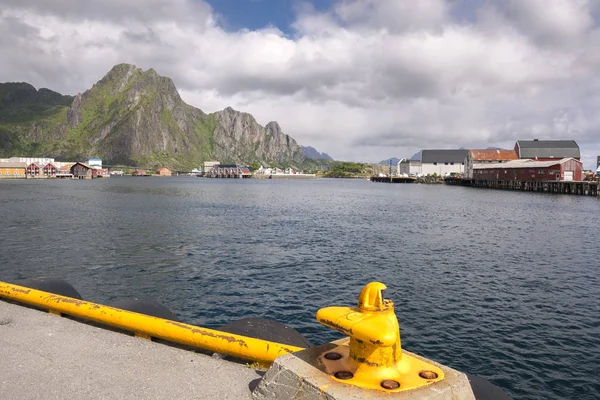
(362, 80)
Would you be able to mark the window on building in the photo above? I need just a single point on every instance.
(451, 163)
(446, 163)
(434, 163)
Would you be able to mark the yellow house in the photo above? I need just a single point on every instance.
(12, 170)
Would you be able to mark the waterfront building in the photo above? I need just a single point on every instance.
(82, 171)
(547, 150)
(33, 170)
(487, 157)
(63, 171)
(32, 160)
(12, 170)
(245, 171)
(163, 172)
(443, 162)
(100, 173)
(95, 163)
(49, 170)
(63, 164)
(410, 167)
(567, 169)
(208, 165)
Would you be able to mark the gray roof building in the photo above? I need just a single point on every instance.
(443, 156)
(542, 149)
(13, 164)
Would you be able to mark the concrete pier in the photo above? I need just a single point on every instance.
(44, 356)
(301, 376)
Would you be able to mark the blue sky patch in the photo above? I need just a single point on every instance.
(257, 14)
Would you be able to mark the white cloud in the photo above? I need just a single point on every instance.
(552, 21)
(365, 80)
(393, 15)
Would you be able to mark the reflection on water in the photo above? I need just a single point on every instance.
(500, 284)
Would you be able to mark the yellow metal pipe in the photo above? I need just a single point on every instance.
(246, 348)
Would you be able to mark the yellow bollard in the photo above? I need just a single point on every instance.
(372, 357)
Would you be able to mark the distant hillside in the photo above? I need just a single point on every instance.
(387, 162)
(136, 118)
(26, 112)
(311, 152)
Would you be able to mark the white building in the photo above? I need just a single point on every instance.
(208, 165)
(410, 167)
(443, 162)
(31, 160)
(95, 163)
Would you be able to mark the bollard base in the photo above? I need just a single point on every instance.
(302, 376)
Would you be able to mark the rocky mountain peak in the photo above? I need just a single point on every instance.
(269, 145)
(313, 153)
(274, 128)
(137, 118)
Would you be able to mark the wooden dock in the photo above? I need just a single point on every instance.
(393, 179)
(581, 188)
(228, 173)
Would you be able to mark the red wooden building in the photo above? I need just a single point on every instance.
(163, 172)
(33, 170)
(140, 172)
(567, 169)
(49, 170)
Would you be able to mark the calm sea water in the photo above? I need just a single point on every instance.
(503, 285)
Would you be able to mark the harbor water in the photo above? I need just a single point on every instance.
(503, 285)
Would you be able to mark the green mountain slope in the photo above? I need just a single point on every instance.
(134, 117)
(25, 113)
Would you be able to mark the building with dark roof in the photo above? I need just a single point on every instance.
(443, 162)
(547, 149)
(81, 170)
